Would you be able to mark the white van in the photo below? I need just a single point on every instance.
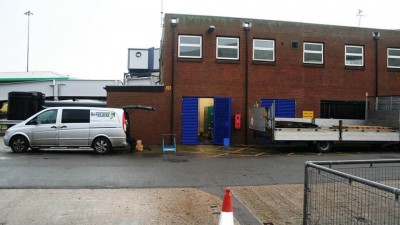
(100, 128)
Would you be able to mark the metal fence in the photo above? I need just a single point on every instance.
(387, 103)
(352, 192)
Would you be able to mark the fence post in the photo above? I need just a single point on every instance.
(305, 201)
(390, 105)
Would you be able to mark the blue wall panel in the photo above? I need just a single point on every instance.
(285, 108)
(190, 120)
(222, 120)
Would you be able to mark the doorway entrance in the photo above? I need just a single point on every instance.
(206, 120)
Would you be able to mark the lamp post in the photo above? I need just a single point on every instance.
(29, 13)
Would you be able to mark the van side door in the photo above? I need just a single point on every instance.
(43, 128)
(74, 127)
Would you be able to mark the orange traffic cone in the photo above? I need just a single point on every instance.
(226, 217)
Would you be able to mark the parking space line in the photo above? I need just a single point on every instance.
(244, 156)
(259, 154)
(240, 149)
(290, 154)
(214, 156)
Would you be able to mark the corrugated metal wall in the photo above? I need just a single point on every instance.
(284, 108)
(222, 119)
(190, 120)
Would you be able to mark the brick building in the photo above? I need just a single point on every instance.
(215, 67)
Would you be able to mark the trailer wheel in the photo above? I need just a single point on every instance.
(102, 145)
(324, 146)
(19, 144)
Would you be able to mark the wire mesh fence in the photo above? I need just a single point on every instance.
(385, 103)
(352, 192)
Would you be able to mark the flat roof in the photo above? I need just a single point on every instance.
(32, 76)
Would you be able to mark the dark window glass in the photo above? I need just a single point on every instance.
(194, 40)
(189, 51)
(313, 57)
(394, 62)
(313, 47)
(227, 53)
(228, 42)
(75, 116)
(263, 54)
(342, 109)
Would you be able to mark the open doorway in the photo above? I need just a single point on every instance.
(206, 120)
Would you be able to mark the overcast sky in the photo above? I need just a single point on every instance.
(89, 39)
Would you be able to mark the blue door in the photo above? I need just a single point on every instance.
(222, 120)
(284, 108)
(190, 120)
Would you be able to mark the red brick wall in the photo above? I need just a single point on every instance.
(147, 126)
(288, 77)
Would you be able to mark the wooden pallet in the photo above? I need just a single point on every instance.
(365, 128)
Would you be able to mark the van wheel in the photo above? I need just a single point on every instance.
(324, 146)
(101, 145)
(19, 144)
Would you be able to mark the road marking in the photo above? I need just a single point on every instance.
(214, 156)
(239, 150)
(290, 154)
(4, 158)
(262, 153)
(243, 156)
(319, 154)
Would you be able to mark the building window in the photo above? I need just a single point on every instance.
(227, 48)
(313, 53)
(393, 55)
(263, 50)
(354, 55)
(190, 46)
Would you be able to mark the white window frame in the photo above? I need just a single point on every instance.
(190, 45)
(264, 49)
(227, 47)
(393, 56)
(314, 52)
(353, 54)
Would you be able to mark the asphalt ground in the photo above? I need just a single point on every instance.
(275, 204)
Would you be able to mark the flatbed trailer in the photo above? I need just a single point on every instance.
(324, 133)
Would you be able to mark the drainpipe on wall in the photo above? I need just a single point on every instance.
(174, 23)
(376, 36)
(246, 27)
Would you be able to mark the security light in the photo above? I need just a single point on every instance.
(246, 25)
(174, 21)
(376, 35)
(211, 28)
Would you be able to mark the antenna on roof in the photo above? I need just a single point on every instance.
(162, 13)
(359, 15)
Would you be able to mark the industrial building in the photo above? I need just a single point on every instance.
(213, 68)
(53, 85)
